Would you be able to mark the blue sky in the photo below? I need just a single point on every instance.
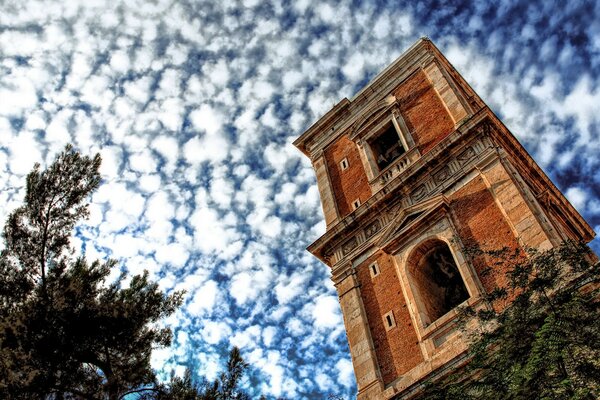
(194, 105)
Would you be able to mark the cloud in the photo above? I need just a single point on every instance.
(203, 300)
(193, 108)
(577, 196)
(326, 312)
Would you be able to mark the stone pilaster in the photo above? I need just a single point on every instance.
(359, 338)
(447, 94)
(515, 207)
(328, 202)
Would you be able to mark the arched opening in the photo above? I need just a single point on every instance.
(435, 278)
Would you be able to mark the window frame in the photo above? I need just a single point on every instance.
(374, 269)
(344, 164)
(412, 263)
(394, 119)
(434, 222)
(389, 322)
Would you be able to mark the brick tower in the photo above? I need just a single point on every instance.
(410, 171)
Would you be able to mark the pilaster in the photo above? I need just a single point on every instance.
(330, 209)
(359, 338)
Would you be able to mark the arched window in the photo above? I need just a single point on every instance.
(435, 279)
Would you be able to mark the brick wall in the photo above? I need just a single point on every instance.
(397, 350)
(424, 112)
(481, 222)
(350, 184)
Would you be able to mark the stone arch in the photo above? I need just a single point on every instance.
(435, 279)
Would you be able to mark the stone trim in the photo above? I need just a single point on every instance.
(328, 201)
(446, 92)
(364, 359)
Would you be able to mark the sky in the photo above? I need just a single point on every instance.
(193, 106)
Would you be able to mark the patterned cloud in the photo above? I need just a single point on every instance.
(193, 106)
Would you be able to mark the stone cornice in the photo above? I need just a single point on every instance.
(404, 186)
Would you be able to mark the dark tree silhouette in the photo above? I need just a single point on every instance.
(65, 332)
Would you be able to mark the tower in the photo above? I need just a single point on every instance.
(411, 171)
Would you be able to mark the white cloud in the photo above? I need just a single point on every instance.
(288, 291)
(173, 254)
(203, 299)
(241, 288)
(582, 103)
(345, 372)
(166, 147)
(215, 331)
(207, 119)
(205, 148)
(24, 152)
(119, 61)
(269, 334)
(577, 196)
(326, 312)
(354, 68)
(19, 94)
(138, 90)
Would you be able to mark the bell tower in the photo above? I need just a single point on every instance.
(411, 171)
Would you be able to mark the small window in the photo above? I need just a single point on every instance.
(374, 269)
(386, 147)
(344, 164)
(355, 204)
(389, 321)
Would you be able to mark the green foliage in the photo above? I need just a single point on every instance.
(65, 332)
(536, 338)
(225, 387)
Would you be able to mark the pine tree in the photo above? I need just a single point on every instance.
(225, 387)
(546, 343)
(65, 331)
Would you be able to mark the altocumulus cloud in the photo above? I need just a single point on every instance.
(193, 106)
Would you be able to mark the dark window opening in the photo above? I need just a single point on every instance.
(374, 267)
(437, 279)
(344, 164)
(387, 147)
(389, 320)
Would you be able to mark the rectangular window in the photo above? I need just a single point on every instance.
(374, 269)
(389, 321)
(344, 164)
(355, 204)
(386, 146)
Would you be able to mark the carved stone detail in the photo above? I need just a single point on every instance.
(440, 176)
(328, 255)
(372, 229)
(349, 246)
(419, 193)
(466, 155)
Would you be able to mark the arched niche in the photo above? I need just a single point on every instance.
(435, 278)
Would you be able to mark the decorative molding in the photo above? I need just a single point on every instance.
(429, 184)
(466, 155)
(349, 245)
(424, 176)
(383, 109)
(440, 176)
(410, 217)
(419, 193)
(372, 229)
